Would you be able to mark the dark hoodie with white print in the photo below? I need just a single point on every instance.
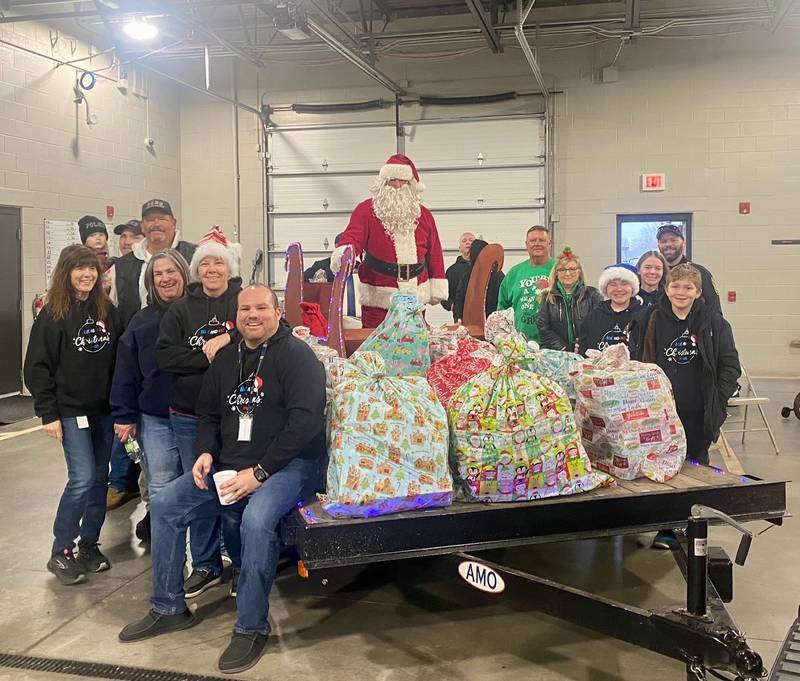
(70, 362)
(186, 327)
(604, 327)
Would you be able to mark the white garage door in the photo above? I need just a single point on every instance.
(482, 174)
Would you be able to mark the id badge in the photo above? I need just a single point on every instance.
(245, 428)
(83, 422)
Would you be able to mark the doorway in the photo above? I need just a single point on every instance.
(11, 300)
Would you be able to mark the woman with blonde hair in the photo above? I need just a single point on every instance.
(566, 303)
(68, 370)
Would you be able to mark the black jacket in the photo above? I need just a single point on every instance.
(552, 319)
(454, 274)
(287, 408)
(324, 265)
(492, 287)
(603, 327)
(127, 272)
(184, 330)
(139, 386)
(710, 294)
(721, 368)
(70, 362)
(650, 298)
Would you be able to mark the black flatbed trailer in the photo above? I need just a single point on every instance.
(699, 633)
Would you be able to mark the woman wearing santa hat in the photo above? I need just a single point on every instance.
(192, 331)
(399, 241)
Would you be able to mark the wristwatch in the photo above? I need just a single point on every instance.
(260, 474)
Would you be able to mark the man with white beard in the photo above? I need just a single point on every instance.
(399, 240)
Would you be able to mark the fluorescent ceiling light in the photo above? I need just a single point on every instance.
(140, 30)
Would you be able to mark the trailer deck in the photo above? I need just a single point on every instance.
(628, 507)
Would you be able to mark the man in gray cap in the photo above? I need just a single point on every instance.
(160, 230)
(672, 245)
(130, 234)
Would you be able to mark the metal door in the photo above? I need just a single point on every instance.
(10, 300)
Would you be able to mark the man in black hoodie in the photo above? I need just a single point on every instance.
(262, 415)
(694, 346)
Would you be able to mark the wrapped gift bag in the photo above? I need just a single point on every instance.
(557, 365)
(387, 442)
(627, 416)
(499, 323)
(451, 372)
(402, 338)
(513, 436)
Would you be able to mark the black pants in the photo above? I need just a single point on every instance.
(697, 442)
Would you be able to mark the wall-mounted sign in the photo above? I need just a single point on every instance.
(654, 182)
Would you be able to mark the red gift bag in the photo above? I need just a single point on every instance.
(451, 372)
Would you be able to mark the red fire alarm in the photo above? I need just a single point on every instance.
(744, 208)
(731, 296)
(109, 212)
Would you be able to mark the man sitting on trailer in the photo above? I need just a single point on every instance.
(261, 415)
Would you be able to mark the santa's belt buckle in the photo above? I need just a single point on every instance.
(408, 276)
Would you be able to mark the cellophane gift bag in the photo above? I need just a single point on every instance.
(513, 436)
(401, 338)
(387, 442)
(453, 370)
(627, 415)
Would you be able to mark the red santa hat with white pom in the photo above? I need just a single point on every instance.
(399, 167)
(215, 243)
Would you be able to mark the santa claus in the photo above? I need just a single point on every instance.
(399, 241)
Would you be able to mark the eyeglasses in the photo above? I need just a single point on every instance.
(571, 270)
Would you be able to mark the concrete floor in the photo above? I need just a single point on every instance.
(391, 622)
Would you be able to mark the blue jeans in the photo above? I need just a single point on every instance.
(123, 475)
(205, 533)
(82, 508)
(256, 522)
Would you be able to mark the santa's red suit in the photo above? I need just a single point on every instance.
(379, 274)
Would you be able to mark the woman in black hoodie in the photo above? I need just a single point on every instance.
(492, 290)
(620, 317)
(68, 370)
(191, 333)
(653, 269)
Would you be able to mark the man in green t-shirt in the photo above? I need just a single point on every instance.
(523, 285)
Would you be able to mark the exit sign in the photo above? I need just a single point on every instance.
(654, 182)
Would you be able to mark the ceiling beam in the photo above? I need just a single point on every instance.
(112, 34)
(485, 24)
(632, 15)
(198, 26)
(782, 9)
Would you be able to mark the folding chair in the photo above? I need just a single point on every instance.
(751, 399)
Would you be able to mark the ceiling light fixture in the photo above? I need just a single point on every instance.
(139, 29)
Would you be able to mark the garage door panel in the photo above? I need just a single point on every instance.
(311, 232)
(458, 144)
(484, 188)
(294, 194)
(343, 149)
(507, 228)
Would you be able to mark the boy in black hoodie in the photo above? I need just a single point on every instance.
(619, 318)
(694, 346)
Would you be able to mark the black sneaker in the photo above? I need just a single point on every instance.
(199, 581)
(244, 651)
(234, 583)
(153, 624)
(91, 558)
(65, 566)
(143, 529)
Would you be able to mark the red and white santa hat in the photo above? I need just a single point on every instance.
(215, 243)
(400, 167)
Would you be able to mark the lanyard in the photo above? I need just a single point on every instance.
(260, 359)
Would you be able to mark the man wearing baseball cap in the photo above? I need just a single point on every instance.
(129, 233)
(160, 233)
(672, 245)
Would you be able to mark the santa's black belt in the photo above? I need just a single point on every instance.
(393, 269)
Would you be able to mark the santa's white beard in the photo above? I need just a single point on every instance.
(398, 209)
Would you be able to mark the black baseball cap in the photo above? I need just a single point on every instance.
(131, 225)
(664, 230)
(157, 204)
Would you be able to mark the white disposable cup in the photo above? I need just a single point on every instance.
(222, 477)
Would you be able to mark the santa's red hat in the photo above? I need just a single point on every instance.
(400, 167)
(215, 243)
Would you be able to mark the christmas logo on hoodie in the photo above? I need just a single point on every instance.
(92, 336)
(683, 349)
(247, 396)
(205, 333)
(613, 337)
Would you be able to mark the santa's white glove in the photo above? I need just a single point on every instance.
(336, 258)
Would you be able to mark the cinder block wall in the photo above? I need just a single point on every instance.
(719, 116)
(55, 166)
